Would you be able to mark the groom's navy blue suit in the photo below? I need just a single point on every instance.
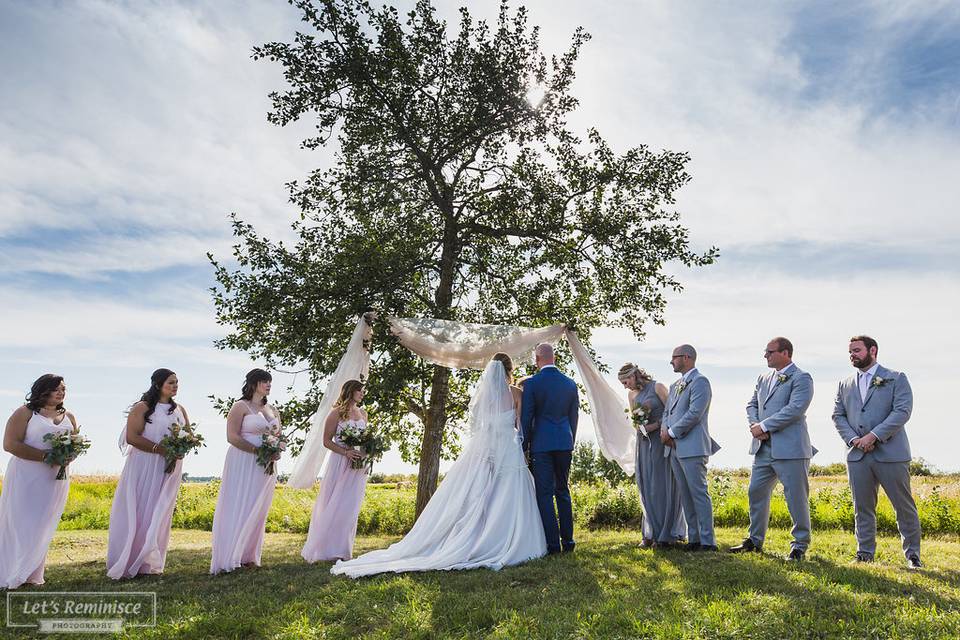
(548, 418)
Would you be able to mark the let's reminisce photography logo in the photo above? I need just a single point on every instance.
(82, 611)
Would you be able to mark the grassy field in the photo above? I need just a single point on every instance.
(607, 589)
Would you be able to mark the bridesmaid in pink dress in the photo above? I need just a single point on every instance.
(333, 525)
(246, 491)
(32, 499)
(145, 496)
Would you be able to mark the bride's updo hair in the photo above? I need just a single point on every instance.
(346, 397)
(507, 363)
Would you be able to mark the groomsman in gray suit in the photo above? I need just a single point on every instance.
(870, 412)
(688, 445)
(780, 447)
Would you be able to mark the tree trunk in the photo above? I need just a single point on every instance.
(432, 438)
(440, 387)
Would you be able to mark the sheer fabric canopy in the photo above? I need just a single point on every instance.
(462, 345)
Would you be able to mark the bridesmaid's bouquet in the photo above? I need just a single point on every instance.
(181, 440)
(641, 418)
(66, 446)
(371, 444)
(273, 442)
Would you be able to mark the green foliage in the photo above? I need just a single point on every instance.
(450, 195)
(920, 467)
(832, 469)
(588, 465)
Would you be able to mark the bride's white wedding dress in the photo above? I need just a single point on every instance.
(484, 513)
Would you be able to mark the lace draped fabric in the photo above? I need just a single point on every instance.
(463, 345)
(354, 365)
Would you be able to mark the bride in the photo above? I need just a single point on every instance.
(484, 514)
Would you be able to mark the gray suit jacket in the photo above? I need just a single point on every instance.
(686, 415)
(783, 411)
(885, 412)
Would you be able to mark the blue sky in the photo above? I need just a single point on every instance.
(825, 140)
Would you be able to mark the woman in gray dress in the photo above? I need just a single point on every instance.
(663, 523)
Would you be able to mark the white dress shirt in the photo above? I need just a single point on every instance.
(864, 378)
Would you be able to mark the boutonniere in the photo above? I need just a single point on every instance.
(782, 377)
(681, 386)
(878, 381)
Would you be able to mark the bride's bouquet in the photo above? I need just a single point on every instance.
(272, 443)
(181, 440)
(367, 440)
(66, 447)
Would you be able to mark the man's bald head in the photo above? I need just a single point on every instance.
(684, 358)
(544, 354)
(687, 350)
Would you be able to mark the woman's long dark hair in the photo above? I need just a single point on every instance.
(152, 395)
(254, 377)
(41, 390)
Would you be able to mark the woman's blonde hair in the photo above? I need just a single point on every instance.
(638, 375)
(346, 397)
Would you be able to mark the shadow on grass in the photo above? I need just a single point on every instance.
(607, 588)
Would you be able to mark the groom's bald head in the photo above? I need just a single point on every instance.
(544, 354)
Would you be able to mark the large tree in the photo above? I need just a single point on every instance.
(457, 191)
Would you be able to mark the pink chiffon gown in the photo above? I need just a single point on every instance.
(31, 504)
(143, 504)
(246, 492)
(333, 524)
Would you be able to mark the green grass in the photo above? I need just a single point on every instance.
(607, 589)
(389, 511)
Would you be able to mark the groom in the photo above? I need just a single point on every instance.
(549, 412)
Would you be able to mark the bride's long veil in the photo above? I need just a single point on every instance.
(491, 399)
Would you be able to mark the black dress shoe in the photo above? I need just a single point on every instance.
(863, 557)
(746, 547)
(913, 562)
(646, 543)
(708, 547)
(796, 554)
(691, 546)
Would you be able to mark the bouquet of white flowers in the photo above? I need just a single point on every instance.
(181, 440)
(66, 447)
(373, 446)
(272, 443)
(640, 417)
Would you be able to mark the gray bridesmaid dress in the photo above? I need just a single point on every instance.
(663, 520)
